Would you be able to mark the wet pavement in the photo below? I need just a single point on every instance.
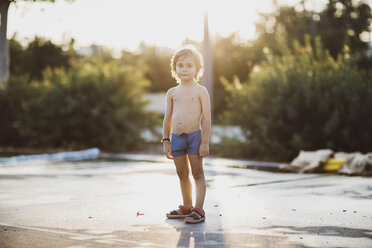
(122, 201)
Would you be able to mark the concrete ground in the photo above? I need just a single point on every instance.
(122, 201)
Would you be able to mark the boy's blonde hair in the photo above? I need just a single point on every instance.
(184, 51)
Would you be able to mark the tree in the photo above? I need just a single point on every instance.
(303, 100)
(157, 60)
(340, 23)
(285, 22)
(231, 58)
(4, 6)
(16, 53)
(343, 22)
(40, 54)
(4, 64)
(95, 103)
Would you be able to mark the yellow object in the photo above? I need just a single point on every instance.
(334, 164)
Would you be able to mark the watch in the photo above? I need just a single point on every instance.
(164, 139)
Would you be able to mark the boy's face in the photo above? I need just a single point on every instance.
(185, 68)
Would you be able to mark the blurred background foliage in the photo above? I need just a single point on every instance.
(303, 83)
(85, 102)
(302, 100)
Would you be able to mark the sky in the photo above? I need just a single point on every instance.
(124, 24)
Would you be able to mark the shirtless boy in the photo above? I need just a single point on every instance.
(187, 107)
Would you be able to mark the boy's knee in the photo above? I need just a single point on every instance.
(183, 173)
(198, 174)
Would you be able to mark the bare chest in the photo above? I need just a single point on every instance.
(186, 99)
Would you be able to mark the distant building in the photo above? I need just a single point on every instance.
(90, 51)
(143, 48)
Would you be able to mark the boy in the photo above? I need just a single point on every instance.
(186, 106)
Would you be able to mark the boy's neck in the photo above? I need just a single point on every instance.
(190, 82)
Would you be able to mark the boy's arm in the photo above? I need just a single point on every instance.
(206, 122)
(167, 125)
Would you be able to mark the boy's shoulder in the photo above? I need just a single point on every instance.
(171, 90)
(201, 88)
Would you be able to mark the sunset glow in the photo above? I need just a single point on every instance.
(124, 24)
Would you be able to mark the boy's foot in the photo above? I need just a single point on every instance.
(196, 216)
(182, 212)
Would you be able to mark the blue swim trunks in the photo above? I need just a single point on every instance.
(186, 143)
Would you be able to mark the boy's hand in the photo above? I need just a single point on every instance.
(204, 150)
(167, 150)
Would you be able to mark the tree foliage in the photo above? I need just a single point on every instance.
(157, 61)
(303, 100)
(94, 103)
(341, 22)
(36, 56)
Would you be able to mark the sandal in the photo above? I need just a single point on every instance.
(175, 215)
(196, 216)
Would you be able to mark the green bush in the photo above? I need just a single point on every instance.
(13, 97)
(94, 104)
(36, 56)
(303, 100)
(229, 147)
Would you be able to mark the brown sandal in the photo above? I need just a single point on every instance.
(196, 216)
(175, 215)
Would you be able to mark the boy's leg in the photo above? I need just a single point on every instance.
(198, 173)
(183, 174)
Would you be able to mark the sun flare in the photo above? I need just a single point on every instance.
(124, 24)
